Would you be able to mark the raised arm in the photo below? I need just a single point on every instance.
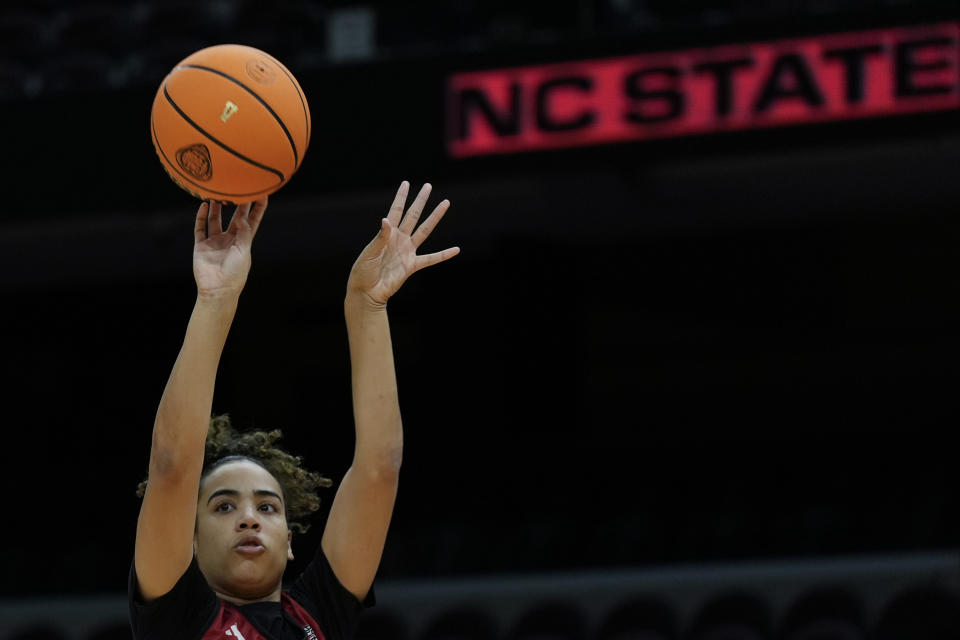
(356, 529)
(221, 262)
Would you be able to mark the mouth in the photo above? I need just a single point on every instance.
(250, 545)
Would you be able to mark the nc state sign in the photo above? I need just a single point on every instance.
(732, 87)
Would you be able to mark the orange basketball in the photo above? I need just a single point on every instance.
(230, 123)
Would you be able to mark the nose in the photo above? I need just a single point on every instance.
(248, 521)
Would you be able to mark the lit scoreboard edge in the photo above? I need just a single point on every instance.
(731, 87)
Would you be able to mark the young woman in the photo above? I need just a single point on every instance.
(214, 533)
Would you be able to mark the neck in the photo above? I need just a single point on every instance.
(272, 597)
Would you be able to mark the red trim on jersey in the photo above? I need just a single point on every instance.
(230, 624)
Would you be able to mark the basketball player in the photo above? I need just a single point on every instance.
(219, 508)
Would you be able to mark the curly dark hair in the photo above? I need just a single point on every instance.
(225, 444)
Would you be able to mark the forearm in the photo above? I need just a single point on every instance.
(183, 415)
(376, 407)
(356, 529)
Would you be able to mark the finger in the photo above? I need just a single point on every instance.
(431, 259)
(380, 240)
(239, 216)
(256, 214)
(413, 213)
(243, 236)
(200, 225)
(396, 209)
(424, 230)
(214, 222)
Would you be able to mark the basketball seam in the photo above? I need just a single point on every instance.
(212, 139)
(293, 145)
(167, 163)
(296, 86)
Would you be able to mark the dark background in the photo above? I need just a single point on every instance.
(711, 348)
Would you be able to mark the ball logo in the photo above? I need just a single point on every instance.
(228, 110)
(261, 71)
(195, 160)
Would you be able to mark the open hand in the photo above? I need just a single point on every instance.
(221, 259)
(391, 257)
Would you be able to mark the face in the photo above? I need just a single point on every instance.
(242, 541)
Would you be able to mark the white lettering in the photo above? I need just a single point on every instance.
(235, 633)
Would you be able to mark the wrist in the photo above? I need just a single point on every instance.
(358, 302)
(220, 301)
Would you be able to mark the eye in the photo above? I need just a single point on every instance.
(268, 507)
(223, 507)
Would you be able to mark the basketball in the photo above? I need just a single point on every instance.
(230, 123)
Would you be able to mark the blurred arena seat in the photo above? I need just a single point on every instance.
(114, 30)
(78, 71)
(184, 21)
(24, 35)
(381, 625)
(462, 623)
(642, 618)
(114, 631)
(14, 80)
(282, 29)
(827, 613)
(920, 613)
(732, 616)
(555, 620)
(401, 27)
(41, 632)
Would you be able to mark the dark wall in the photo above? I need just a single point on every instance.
(710, 348)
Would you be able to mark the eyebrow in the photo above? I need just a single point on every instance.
(235, 493)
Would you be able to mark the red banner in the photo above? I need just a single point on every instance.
(731, 87)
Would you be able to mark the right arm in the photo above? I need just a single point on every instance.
(221, 262)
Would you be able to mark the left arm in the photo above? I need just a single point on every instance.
(356, 529)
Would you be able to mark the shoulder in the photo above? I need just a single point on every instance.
(186, 611)
(319, 593)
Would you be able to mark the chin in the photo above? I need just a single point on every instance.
(255, 576)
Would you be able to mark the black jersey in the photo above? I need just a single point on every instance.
(315, 607)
